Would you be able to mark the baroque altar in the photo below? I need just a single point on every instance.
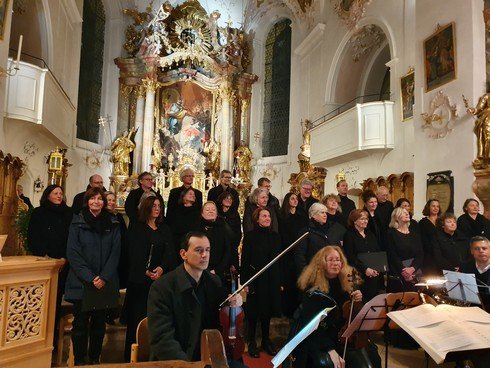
(184, 91)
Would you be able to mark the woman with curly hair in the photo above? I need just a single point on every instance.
(326, 282)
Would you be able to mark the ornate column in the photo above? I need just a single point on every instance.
(226, 93)
(138, 125)
(244, 126)
(148, 122)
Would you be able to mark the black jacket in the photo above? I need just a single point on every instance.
(347, 206)
(133, 200)
(175, 316)
(220, 238)
(355, 244)
(216, 191)
(469, 227)
(232, 218)
(331, 233)
(173, 199)
(450, 250)
(140, 247)
(48, 230)
(304, 206)
(260, 246)
(181, 221)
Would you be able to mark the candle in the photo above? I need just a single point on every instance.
(19, 51)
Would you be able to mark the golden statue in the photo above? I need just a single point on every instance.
(481, 129)
(243, 157)
(212, 152)
(121, 148)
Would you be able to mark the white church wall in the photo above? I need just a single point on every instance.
(314, 82)
(4, 51)
(456, 151)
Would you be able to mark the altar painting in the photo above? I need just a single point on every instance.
(186, 111)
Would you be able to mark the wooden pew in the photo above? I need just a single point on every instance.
(212, 355)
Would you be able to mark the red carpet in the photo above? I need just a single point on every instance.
(263, 362)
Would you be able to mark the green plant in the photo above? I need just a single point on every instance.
(22, 225)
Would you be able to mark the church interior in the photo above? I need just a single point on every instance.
(374, 92)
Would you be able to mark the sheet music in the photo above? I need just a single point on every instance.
(462, 286)
(423, 315)
(296, 340)
(447, 336)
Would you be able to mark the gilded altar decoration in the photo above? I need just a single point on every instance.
(24, 312)
(120, 150)
(481, 129)
(350, 11)
(308, 171)
(440, 119)
(194, 73)
(243, 157)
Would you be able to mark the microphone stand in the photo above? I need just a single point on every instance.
(265, 268)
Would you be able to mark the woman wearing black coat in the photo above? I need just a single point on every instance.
(359, 239)
(428, 230)
(290, 224)
(405, 252)
(260, 246)
(472, 223)
(47, 234)
(229, 213)
(451, 247)
(184, 217)
(321, 234)
(220, 238)
(150, 255)
(92, 285)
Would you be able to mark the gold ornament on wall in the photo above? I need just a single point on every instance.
(440, 119)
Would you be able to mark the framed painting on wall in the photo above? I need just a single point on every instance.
(440, 57)
(407, 86)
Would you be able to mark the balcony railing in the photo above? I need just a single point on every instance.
(354, 133)
(34, 95)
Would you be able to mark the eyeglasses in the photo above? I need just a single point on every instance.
(226, 177)
(150, 179)
(307, 189)
(334, 260)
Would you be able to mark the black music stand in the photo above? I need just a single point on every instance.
(373, 316)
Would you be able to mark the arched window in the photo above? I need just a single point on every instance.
(276, 90)
(91, 63)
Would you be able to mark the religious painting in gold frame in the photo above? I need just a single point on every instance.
(440, 57)
(407, 95)
(3, 16)
(186, 112)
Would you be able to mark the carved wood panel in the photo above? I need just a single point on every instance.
(399, 186)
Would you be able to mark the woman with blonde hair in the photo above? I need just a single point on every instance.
(326, 282)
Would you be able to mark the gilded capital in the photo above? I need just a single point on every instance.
(151, 84)
(141, 91)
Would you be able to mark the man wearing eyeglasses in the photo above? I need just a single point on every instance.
(187, 178)
(145, 182)
(224, 186)
(93, 182)
(305, 199)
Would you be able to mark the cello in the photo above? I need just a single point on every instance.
(231, 320)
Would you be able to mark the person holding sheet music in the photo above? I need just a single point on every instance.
(480, 266)
(150, 255)
(359, 239)
(405, 252)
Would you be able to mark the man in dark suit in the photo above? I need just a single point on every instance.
(184, 302)
(224, 186)
(145, 182)
(272, 202)
(305, 199)
(94, 181)
(20, 193)
(187, 178)
(480, 267)
(346, 203)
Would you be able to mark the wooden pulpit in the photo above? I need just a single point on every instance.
(27, 310)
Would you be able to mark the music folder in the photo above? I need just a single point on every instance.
(376, 260)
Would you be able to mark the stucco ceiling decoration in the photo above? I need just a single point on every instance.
(303, 10)
(350, 11)
(366, 40)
